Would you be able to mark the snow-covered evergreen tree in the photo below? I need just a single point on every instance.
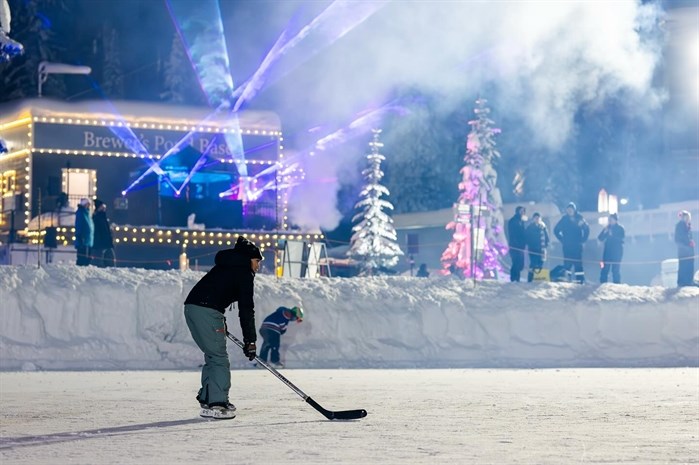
(31, 27)
(178, 73)
(478, 219)
(425, 150)
(373, 242)
(112, 71)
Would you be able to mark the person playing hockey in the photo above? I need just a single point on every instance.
(272, 329)
(230, 280)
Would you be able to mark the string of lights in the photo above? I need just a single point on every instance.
(212, 127)
(175, 236)
(101, 153)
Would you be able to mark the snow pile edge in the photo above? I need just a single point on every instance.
(64, 317)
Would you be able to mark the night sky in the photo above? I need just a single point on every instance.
(608, 147)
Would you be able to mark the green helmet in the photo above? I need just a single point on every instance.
(297, 312)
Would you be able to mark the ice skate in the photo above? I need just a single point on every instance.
(217, 412)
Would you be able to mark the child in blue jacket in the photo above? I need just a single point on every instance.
(273, 327)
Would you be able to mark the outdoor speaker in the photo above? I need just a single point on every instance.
(51, 238)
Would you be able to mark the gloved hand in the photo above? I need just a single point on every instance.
(250, 349)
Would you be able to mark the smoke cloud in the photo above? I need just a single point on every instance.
(541, 62)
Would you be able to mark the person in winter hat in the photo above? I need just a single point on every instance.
(422, 271)
(103, 246)
(613, 237)
(573, 231)
(537, 242)
(272, 329)
(516, 238)
(84, 232)
(685, 249)
(231, 280)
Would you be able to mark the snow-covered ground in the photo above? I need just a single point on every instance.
(483, 416)
(65, 317)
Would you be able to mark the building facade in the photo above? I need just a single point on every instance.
(172, 177)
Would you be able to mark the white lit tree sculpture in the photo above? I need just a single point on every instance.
(373, 242)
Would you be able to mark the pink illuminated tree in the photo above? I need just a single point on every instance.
(478, 243)
(373, 242)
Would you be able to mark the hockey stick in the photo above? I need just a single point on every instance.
(329, 414)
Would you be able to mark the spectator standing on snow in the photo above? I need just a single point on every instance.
(613, 237)
(103, 246)
(517, 240)
(537, 236)
(231, 280)
(84, 232)
(573, 231)
(422, 271)
(685, 250)
(272, 329)
(456, 272)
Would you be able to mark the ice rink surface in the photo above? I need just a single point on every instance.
(415, 416)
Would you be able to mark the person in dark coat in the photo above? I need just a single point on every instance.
(272, 329)
(422, 271)
(517, 240)
(537, 241)
(84, 232)
(613, 237)
(231, 280)
(103, 247)
(456, 272)
(573, 231)
(685, 250)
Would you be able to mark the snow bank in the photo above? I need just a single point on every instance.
(64, 317)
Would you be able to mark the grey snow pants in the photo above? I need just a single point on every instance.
(209, 332)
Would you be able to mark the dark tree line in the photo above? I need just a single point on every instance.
(424, 148)
(99, 35)
(32, 27)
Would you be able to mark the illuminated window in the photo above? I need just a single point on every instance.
(8, 182)
(8, 190)
(78, 183)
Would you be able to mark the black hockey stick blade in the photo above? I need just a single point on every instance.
(341, 415)
(330, 415)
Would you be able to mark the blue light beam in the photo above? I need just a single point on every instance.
(200, 27)
(330, 25)
(126, 134)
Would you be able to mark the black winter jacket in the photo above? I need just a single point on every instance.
(103, 234)
(516, 236)
(230, 280)
(683, 234)
(572, 231)
(537, 237)
(613, 238)
(683, 239)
